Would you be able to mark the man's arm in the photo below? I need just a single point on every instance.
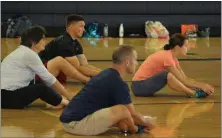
(82, 59)
(139, 119)
(73, 61)
(83, 69)
(84, 62)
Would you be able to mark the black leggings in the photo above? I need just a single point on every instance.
(20, 98)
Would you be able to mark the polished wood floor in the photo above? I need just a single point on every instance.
(189, 117)
(101, 49)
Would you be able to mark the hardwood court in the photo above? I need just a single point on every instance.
(189, 117)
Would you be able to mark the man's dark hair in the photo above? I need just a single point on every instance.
(73, 18)
(32, 35)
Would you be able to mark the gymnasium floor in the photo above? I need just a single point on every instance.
(190, 117)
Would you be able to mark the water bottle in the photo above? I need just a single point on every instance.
(121, 30)
(207, 32)
(105, 31)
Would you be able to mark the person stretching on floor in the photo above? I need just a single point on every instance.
(163, 68)
(105, 101)
(64, 56)
(18, 70)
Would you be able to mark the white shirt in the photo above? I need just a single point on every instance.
(20, 67)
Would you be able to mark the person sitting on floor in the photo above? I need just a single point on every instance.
(105, 101)
(163, 68)
(64, 55)
(18, 70)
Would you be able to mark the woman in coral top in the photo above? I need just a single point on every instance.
(163, 68)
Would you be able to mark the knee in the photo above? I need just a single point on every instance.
(59, 59)
(170, 76)
(121, 111)
(76, 63)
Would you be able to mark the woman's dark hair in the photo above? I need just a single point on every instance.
(176, 39)
(73, 18)
(32, 35)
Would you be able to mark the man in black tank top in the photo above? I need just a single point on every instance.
(64, 56)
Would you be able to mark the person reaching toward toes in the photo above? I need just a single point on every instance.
(105, 101)
(18, 69)
(163, 68)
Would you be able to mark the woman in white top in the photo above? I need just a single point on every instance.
(19, 68)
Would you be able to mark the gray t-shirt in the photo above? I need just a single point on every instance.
(20, 67)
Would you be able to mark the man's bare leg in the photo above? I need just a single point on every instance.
(59, 64)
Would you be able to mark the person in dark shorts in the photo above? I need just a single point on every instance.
(18, 70)
(64, 55)
(105, 101)
(163, 68)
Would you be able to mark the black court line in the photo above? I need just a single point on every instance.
(204, 59)
(181, 102)
(132, 81)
